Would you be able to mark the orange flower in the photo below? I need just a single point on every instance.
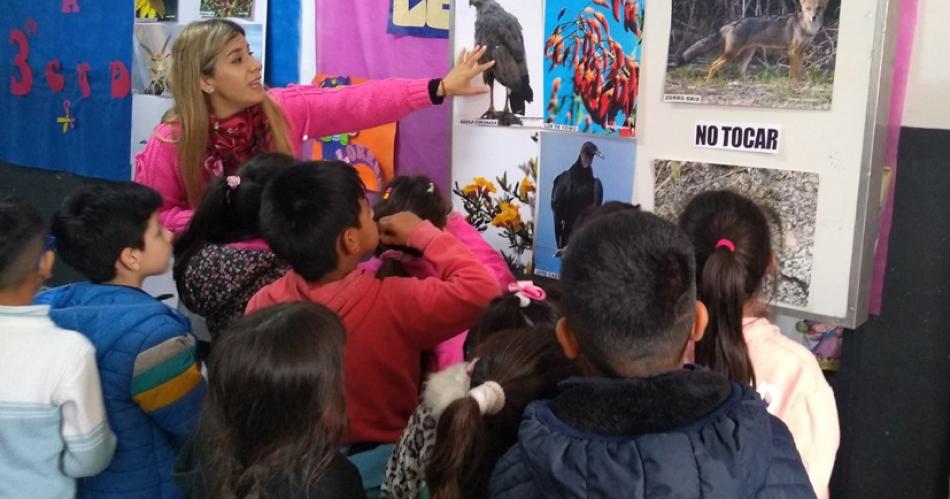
(479, 184)
(526, 187)
(508, 217)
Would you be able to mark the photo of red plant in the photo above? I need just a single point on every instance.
(592, 65)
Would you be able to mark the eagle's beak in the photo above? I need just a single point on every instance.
(599, 154)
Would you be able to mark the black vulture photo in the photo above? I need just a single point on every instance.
(575, 190)
(500, 31)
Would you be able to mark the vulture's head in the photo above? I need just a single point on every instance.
(476, 3)
(588, 151)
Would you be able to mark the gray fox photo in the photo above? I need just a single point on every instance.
(763, 53)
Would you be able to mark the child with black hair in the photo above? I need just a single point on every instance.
(526, 307)
(419, 195)
(316, 217)
(731, 236)
(275, 412)
(471, 414)
(54, 422)
(221, 260)
(150, 375)
(638, 421)
(526, 304)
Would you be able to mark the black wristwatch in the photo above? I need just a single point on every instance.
(434, 91)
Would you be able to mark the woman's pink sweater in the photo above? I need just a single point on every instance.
(311, 112)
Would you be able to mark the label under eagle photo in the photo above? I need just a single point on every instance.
(738, 137)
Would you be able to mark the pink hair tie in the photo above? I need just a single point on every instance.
(527, 291)
(725, 243)
(233, 182)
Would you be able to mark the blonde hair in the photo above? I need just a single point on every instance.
(193, 56)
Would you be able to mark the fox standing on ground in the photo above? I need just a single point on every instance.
(793, 31)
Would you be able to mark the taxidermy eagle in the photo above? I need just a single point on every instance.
(575, 190)
(501, 33)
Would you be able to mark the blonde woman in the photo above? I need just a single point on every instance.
(224, 115)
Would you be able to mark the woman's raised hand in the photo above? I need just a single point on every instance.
(459, 79)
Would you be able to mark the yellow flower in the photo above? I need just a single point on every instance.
(509, 216)
(526, 187)
(485, 184)
(479, 185)
(150, 8)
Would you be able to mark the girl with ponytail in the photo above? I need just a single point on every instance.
(221, 261)
(733, 247)
(470, 415)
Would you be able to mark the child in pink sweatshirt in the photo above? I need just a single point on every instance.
(240, 117)
(732, 241)
(420, 196)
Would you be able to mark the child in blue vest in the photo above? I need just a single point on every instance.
(637, 423)
(150, 376)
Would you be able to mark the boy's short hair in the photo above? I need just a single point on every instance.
(629, 289)
(21, 232)
(98, 221)
(304, 210)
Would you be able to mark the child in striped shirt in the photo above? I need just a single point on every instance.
(53, 425)
(150, 375)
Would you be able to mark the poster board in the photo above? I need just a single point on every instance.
(843, 145)
(147, 39)
(498, 165)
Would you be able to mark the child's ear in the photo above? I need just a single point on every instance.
(567, 339)
(349, 241)
(129, 259)
(47, 261)
(699, 325)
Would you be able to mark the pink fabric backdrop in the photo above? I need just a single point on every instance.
(902, 58)
(352, 41)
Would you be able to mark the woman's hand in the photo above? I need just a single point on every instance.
(459, 79)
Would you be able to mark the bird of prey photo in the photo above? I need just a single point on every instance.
(575, 190)
(500, 31)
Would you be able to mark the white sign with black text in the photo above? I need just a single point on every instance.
(737, 137)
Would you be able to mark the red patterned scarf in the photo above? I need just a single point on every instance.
(234, 140)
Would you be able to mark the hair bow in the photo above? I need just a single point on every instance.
(527, 291)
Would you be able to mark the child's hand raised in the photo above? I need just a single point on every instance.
(394, 230)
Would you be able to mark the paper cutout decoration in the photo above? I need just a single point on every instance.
(67, 121)
(420, 18)
(371, 151)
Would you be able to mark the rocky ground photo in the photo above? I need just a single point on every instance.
(789, 199)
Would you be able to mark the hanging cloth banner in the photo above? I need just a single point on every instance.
(352, 40)
(65, 86)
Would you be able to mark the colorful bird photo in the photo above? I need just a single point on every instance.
(592, 65)
(578, 173)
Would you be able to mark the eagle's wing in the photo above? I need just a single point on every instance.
(501, 32)
(560, 194)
